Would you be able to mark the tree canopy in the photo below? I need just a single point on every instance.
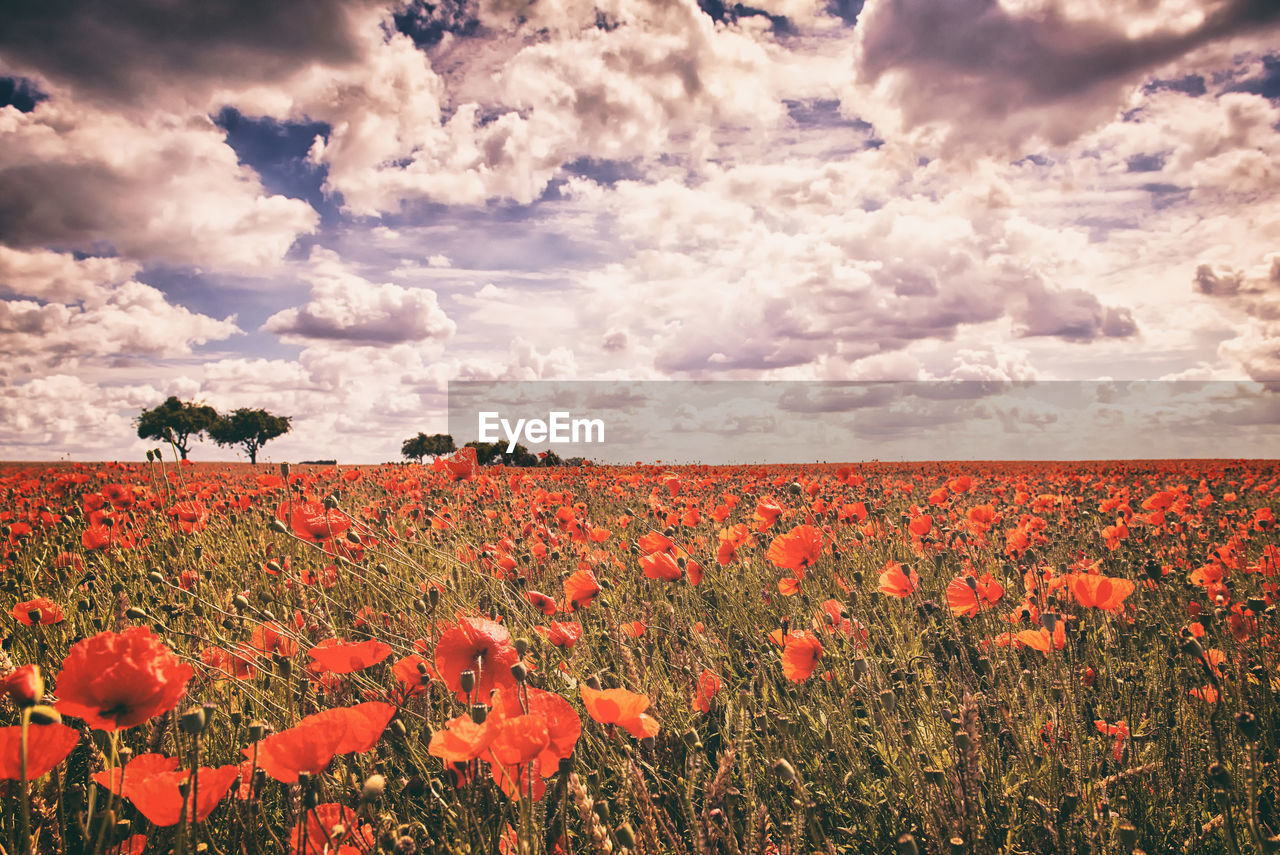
(250, 429)
(418, 447)
(178, 422)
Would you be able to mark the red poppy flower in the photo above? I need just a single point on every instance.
(156, 791)
(478, 645)
(271, 638)
(47, 746)
(190, 517)
(542, 602)
(238, 665)
(519, 739)
(1042, 640)
(966, 594)
(580, 589)
(708, 686)
(414, 673)
(40, 610)
(24, 684)
(895, 583)
(767, 512)
(461, 740)
(620, 707)
(800, 655)
(117, 680)
(563, 725)
(342, 657)
(661, 565)
(309, 745)
(333, 829)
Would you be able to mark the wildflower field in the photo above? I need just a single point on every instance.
(942, 657)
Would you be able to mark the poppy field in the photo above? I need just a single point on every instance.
(913, 658)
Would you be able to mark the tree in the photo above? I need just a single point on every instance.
(496, 452)
(421, 445)
(178, 422)
(250, 429)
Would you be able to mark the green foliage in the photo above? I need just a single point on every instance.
(420, 446)
(248, 428)
(176, 421)
(496, 452)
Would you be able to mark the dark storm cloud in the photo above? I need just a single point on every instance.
(973, 59)
(1191, 84)
(130, 50)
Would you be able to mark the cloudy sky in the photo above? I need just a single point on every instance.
(332, 208)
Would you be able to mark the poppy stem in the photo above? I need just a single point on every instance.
(25, 796)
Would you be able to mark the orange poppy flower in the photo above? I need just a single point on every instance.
(481, 646)
(564, 727)
(462, 740)
(895, 583)
(966, 594)
(414, 673)
(333, 829)
(580, 589)
(157, 793)
(661, 565)
(117, 680)
(1041, 640)
(1092, 590)
(709, 686)
(767, 512)
(41, 610)
(309, 745)
(342, 657)
(796, 550)
(47, 746)
(541, 602)
(519, 739)
(800, 655)
(562, 635)
(619, 707)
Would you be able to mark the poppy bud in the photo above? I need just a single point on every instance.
(479, 712)
(135, 613)
(522, 646)
(25, 685)
(648, 743)
(1247, 722)
(467, 681)
(278, 527)
(785, 770)
(433, 597)
(1127, 834)
(907, 845)
(42, 714)
(1219, 777)
(626, 836)
(373, 787)
(257, 730)
(519, 672)
(593, 682)
(193, 721)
